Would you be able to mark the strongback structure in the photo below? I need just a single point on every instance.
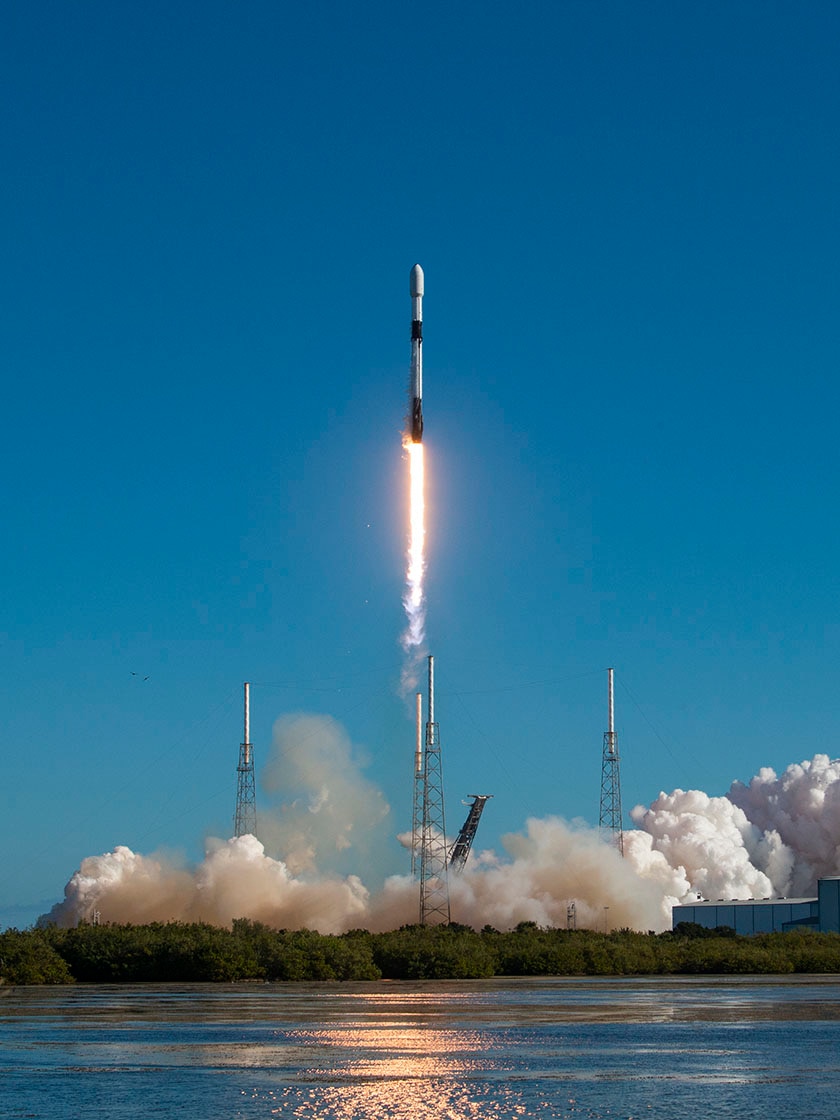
(245, 819)
(434, 869)
(609, 819)
(461, 847)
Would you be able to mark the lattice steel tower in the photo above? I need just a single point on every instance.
(610, 816)
(419, 785)
(245, 820)
(461, 848)
(434, 870)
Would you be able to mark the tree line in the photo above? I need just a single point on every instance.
(196, 951)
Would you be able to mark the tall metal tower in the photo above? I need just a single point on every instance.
(419, 784)
(461, 848)
(434, 870)
(610, 816)
(245, 820)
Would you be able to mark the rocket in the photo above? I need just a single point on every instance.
(415, 287)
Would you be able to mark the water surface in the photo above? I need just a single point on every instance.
(578, 1048)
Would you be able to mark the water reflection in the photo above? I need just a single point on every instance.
(403, 1072)
(410, 1053)
(403, 1100)
(559, 1048)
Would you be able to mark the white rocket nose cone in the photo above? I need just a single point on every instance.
(415, 281)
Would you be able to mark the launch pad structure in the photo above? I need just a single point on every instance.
(429, 825)
(609, 817)
(245, 818)
(461, 848)
(431, 857)
(418, 786)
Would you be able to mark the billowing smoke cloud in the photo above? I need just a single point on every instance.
(550, 866)
(320, 811)
(327, 806)
(235, 879)
(772, 837)
(708, 839)
(799, 813)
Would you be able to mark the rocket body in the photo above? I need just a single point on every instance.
(415, 392)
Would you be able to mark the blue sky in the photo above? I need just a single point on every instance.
(628, 220)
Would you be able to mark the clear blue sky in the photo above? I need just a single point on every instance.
(628, 219)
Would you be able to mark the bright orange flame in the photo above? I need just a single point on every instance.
(414, 599)
(416, 561)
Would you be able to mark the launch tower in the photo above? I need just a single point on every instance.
(419, 785)
(434, 870)
(461, 848)
(610, 815)
(245, 820)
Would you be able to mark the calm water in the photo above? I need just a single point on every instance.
(580, 1049)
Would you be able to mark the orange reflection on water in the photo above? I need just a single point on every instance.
(407, 1100)
(399, 1072)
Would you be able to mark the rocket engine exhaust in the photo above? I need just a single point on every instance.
(414, 596)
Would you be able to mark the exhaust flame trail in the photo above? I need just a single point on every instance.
(414, 596)
(414, 635)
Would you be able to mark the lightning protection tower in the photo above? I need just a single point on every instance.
(434, 870)
(419, 785)
(245, 820)
(610, 816)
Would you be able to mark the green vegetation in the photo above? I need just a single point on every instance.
(182, 952)
(29, 958)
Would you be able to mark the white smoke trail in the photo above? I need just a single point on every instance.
(414, 600)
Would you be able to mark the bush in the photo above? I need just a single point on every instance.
(434, 953)
(28, 958)
(197, 951)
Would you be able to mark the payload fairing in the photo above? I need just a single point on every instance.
(415, 287)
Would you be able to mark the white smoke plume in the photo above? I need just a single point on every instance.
(709, 839)
(773, 836)
(327, 805)
(799, 814)
(235, 879)
(551, 865)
